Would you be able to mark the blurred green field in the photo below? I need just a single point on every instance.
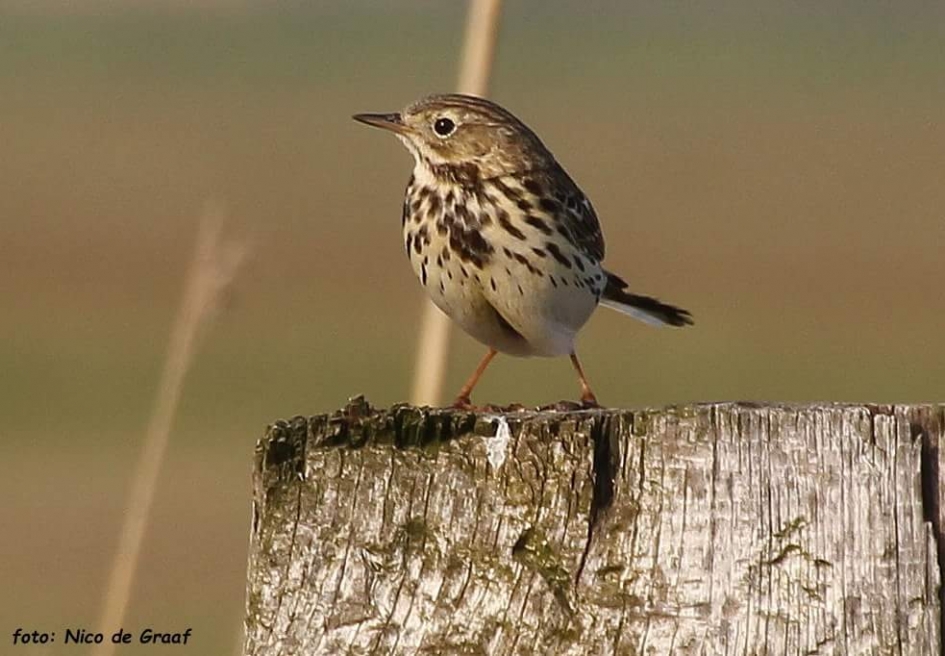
(775, 168)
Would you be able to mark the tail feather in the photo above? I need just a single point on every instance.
(645, 308)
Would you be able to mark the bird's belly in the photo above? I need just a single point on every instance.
(517, 306)
(455, 287)
(547, 314)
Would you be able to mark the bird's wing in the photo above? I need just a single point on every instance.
(576, 218)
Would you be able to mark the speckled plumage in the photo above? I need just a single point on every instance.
(503, 240)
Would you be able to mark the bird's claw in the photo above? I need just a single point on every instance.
(462, 402)
(589, 402)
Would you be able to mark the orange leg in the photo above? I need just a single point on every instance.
(462, 399)
(587, 396)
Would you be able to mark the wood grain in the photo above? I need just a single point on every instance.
(708, 529)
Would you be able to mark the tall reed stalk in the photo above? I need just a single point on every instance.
(482, 29)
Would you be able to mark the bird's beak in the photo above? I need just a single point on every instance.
(392, 122)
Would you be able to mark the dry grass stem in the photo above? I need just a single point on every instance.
(482, 30)
(213, 269)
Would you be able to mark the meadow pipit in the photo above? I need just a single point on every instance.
(502, 239)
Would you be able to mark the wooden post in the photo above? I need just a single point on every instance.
(706, 529)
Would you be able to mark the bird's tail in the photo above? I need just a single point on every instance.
(645, 308)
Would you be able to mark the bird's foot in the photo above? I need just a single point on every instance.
(571, 406)
(500, 409)
(589, 401)
(562, 406)
(462, 402)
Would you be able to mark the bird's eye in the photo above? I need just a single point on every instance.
(444, 127)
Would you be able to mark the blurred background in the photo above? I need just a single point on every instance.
(776, 168)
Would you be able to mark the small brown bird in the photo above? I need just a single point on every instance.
(502, 239)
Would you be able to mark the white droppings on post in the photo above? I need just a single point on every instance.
(497, 445)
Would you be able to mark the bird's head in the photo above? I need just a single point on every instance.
(455, 130)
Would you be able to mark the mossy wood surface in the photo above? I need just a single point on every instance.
(709, 529)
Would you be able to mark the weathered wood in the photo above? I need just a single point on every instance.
(710, 529)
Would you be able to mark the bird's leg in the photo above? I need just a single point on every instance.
(587, 396)
(462, 399)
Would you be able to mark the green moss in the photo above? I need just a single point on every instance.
(358, 424)
(454, 564)
(812, 592)
(784, 553)
(414, 534)
(609, 569)
(684, 411)
(533, 550)
(794, 526)
(642, 423)
(467, 648)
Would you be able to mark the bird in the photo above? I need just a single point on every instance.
(502, 239)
